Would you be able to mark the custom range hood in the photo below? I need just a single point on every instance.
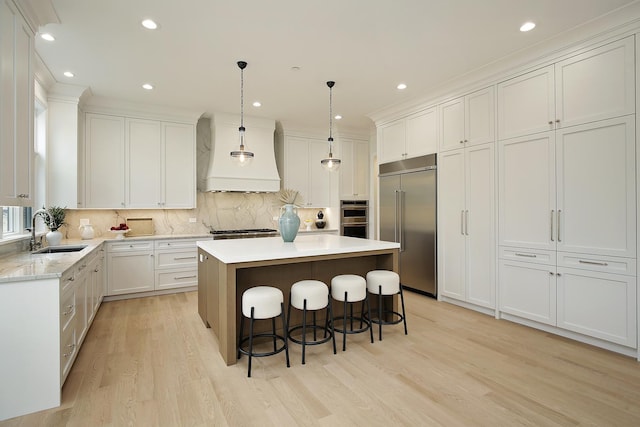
(261, 175)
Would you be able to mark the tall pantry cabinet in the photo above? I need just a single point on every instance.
(567, 195)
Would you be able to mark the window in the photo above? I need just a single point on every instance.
(12, 220)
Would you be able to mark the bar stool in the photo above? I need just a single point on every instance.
(262, 302)
(311, 295)
(386, 283)
(351, 288)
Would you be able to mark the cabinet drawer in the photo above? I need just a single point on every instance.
(67, 309)
(185, 258)
(536, 256)
(605, 264)
(67, 279)
(145, 245)
(177, 244)
(68, 349)
(176, 278)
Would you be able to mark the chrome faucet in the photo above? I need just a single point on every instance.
(33, 244)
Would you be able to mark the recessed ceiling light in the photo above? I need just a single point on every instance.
(147, 86)
(48, 37)
(68, 74)
(338, 117)
(257, 104)
(402, 86)
(527, 26)
(149, 24)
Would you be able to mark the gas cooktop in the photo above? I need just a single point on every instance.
(243, 233)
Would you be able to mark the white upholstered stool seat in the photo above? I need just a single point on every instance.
(349, 289)
(259, 303)
(386, 283)
(311, 295)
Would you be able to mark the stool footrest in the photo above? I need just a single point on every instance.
(344, 330)
(386, 322)
(310, 328)
(263, 354)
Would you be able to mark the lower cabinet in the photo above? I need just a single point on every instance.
(591, 295)
(151, 265)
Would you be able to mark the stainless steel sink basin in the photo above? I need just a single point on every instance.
(60, 249)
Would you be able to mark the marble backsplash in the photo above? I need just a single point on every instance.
(220, 211)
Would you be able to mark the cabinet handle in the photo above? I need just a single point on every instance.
(557, 120)
(184, 257)
(559, 212)
(71, 346)
(551, 273)
(96, 270)
(466, 223)
(604, 264)
(184, 277)
(551, 122)
(558, 274)
(552, 217)
(461, 142)
(69, 310)
(527, 255)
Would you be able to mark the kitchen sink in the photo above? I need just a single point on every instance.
(60, 249)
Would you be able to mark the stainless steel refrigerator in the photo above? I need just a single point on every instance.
(408, 216)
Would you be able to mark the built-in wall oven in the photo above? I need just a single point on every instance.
(354, 218)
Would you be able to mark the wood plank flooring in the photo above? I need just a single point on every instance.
(151, 362)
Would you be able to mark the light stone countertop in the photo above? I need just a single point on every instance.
(271, 248)
(24, 266)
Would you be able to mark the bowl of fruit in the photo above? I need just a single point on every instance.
(120, 230)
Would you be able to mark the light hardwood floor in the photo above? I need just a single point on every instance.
(151, 362)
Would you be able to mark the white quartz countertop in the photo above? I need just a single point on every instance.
(271, 248)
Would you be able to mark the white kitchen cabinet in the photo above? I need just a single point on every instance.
(139, 163)
(468, 120)
(598, 304)
(303, 171)
(130, 267)
(16, 107)
(466, 243)
(354, 171)
(528, 290)
(104, 161)
(412, 136)
(176, 263)
(571, 190)
(593, 85)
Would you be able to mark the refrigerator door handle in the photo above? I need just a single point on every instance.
(462, 222)
(466, 223)
(400, 220)
(395, 220)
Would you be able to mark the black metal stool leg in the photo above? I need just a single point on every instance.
(366, 297)
(404, 316)
(250, 342)
(304, 328)
(285, 327)
(379, 313)
(330, 316)
(315, 338)
(273, 329)
(344, 326)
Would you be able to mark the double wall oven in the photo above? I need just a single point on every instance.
(354, 218)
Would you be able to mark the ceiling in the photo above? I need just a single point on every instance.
(366, 46)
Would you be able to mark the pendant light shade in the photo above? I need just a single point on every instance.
(241, 157)
(330, 163)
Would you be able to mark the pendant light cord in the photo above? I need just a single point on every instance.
(330, 84)
(242, 97)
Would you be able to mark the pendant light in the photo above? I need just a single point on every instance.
(330, 163)
(242, 157)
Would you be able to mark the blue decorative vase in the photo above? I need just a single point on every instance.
(289, 222)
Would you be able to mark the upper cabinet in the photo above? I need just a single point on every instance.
(354, 172)
(408, 137)
(556, 96)
(16, 107)
(304, 173)
(139, 163)
(468, 120)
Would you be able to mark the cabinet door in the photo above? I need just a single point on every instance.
(179, 160)
(526, 191)
(596, 188)
(452, 124)
(361, 169)
(130, 272)
(319, 178)
(526, 104)
(143, 172)
(422, 133)
(104, 165)
(296, 171)
(479, 117)
(392, 140)
(480, 224)
(347, 169)
(528, 291)
(608, 74)
(451, 239)
(599, 305)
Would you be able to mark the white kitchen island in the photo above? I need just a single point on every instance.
(228, 267)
